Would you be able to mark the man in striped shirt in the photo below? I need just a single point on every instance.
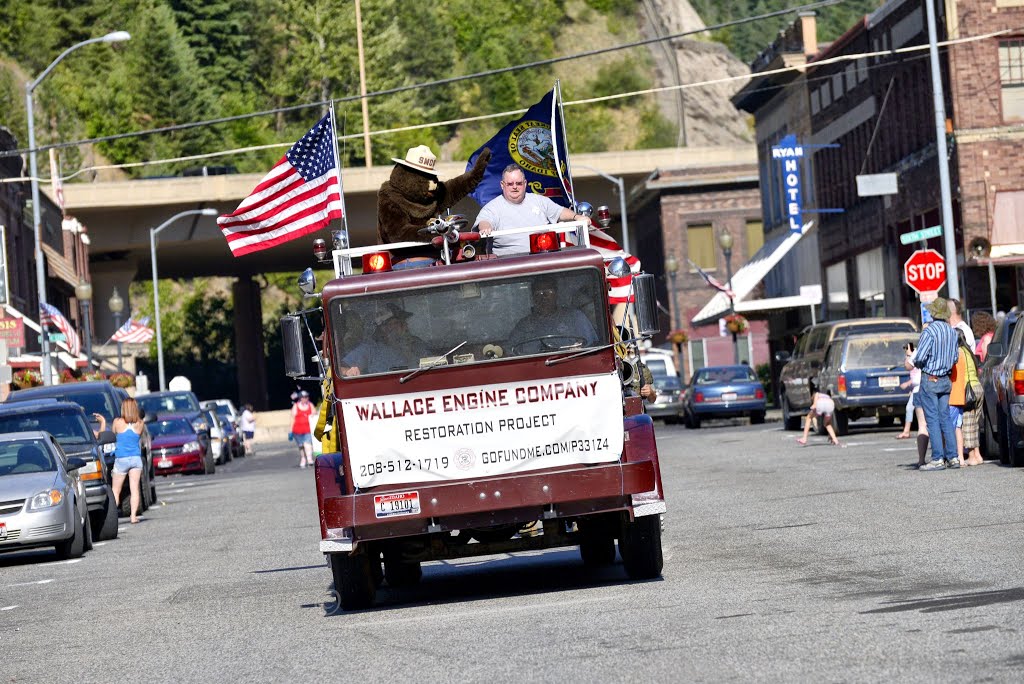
(936, 355)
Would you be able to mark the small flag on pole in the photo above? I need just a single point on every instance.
(712, 281)
(299, 196)
(49, 315)
(136, 331)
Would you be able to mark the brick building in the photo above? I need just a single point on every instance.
(681, 212)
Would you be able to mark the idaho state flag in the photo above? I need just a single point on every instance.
(528, 142)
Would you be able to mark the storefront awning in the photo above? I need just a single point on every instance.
(59, 266)
(753, 272)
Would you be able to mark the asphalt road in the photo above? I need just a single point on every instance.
(782, 563)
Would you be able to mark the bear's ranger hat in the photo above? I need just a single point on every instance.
(419, 158)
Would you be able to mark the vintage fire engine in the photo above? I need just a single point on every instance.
(479, 408)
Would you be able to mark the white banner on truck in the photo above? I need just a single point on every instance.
(473, 432)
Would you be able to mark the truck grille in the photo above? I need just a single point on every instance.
(13, 506)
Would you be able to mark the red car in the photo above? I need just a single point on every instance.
(176, 447)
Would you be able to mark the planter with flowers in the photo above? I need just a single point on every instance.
(123, 380)
(26, 378)
(68, 375)
(678, 337)
(736, 324)
(93, 375)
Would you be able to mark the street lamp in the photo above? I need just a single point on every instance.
(725, 242)
(672, 267)
(116, 305)
(83, 292)
(156, 292)
(115, 37)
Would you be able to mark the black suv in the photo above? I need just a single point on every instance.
(66, 421)
(803, 365)
(99, 396)
(1002, 377)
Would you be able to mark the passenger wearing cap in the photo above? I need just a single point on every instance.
(413, 196)
(390, 347)
(936, 356)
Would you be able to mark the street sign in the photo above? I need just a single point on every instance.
(55, 337)
(925, 270)
(877, 184)
(921, 235)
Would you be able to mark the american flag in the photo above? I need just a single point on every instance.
(49, 315)
(300, 195)
(712, 281)
(134, 331)
(609, 249)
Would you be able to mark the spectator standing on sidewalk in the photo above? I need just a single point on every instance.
(984, 326)
(247, 424)
(936, 356)
(301, 432)
(956, 320)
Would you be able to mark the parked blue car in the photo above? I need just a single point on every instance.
(863, 373)
(724, 392)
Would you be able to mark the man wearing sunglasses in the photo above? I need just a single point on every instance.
(517, 208)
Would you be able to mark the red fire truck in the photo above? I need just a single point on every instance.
(480, 408)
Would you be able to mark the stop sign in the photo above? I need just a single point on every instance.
(925, 270)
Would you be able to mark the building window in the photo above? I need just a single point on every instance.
(755, 237)
(1011, 77)
(700, 243)
(696, 356)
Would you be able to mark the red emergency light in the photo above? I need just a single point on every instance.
(377, 262)
(544, 242)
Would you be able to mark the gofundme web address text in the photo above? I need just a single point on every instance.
(572, 446)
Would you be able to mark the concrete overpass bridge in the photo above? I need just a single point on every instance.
(119, 216)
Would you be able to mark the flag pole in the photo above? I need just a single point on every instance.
(556, 107)
(346, 262)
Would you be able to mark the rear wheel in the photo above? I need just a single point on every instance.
(353, 580)
(597, 545)
(842, 423)
(87, 531)
(1004, 448)
(1014, 452)
(757, 417)
(105, 521)
(989, 442)
(692, 421)
(73, 547)
(789, 421)
(640, 547)
(886, 421)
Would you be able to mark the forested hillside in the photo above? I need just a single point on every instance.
(747, 40)
(196, 60)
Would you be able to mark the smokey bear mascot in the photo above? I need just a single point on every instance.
(414, 195)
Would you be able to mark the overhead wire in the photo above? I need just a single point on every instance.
(428, 84)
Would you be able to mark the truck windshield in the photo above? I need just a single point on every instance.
(499, 318)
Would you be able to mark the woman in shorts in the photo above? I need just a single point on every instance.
(128, 454)
(822, 407)
(301, 432)
(248, 426)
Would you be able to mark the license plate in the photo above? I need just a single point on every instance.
(889, 381)
(164, 463)
(3, 530)
(404, 503)
(728, 396)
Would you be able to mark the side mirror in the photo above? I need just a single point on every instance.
(74, 463)
(307, 282)
(783, 356)
(107, 437)
(291, 339)
(996, 349)
(646, 303)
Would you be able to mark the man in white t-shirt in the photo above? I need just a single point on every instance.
(957, 321)
(517, 208)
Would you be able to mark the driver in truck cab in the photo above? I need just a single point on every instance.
(550, 326)
(391, 346)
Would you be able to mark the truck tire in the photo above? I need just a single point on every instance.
(353, 580)
(87, 531)
(399, 573)
(75, 546)
(842, 422)
(640, 547)
(886, 421)
(789, 421)
(104, 523)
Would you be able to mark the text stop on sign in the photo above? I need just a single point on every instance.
(925, 270)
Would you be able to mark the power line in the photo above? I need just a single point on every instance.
(429, 84)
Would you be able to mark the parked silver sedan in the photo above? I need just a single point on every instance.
(42, 500)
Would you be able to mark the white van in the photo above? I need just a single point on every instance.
(659, 361)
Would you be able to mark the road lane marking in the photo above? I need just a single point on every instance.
(9, 607)
(467, 615)
(69, 562)
(26, 584)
